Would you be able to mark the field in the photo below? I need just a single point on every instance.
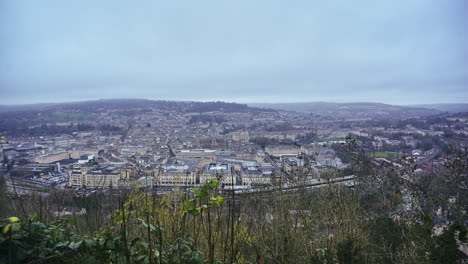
(385, 154)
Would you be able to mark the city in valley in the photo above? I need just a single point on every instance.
(120, 144)
(234, 132)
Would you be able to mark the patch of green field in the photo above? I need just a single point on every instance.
(385, 154)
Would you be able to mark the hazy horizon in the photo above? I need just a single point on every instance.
(399, 52)
(214, 100)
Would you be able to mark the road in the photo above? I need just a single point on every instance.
(311, 184)
(25, 186)
(435, 152)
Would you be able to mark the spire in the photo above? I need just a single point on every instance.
(316, 148)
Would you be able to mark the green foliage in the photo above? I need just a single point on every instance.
(201, 201)
(386, 231)
(446, 248)
(349, 253)
(33, 241)
(324, 256)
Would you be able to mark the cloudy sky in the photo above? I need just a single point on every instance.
(399, 51)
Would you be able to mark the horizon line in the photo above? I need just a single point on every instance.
(218, 100)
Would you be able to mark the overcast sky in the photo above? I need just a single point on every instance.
(399, 51)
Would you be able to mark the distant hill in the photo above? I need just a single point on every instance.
(451, 108)
(351, 109)
(127, 104)
(6, 108)
(65, 118)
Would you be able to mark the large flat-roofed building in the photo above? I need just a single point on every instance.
(280, 151)
(97, 177)
(223, 172)
(76, 177)
(196, 153)
(105, 177)
(133, 150)
(62, 155)
(53, 157)
(253, 173)
(180, 172)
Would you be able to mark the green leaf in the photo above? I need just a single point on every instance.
(117, 217)
(143, 222)
(215, 204)
(6, 228)
(196, 191)
(13, 219)
(213, 183)
(217, 199)
(89, 242)
(145, 244)
(62, 244)
(15, 227)
(140, 257)
(200, 193)
(197, 211)
(75, 245)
